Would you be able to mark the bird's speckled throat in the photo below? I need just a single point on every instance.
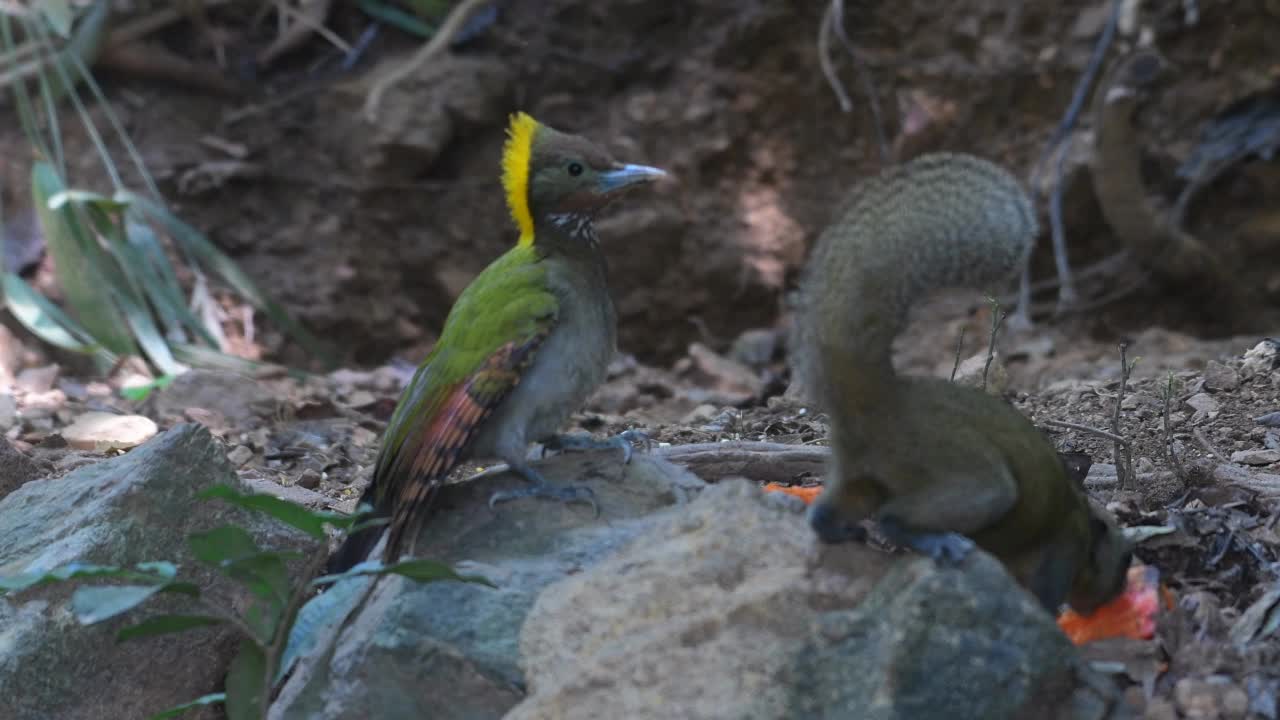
(517, 154)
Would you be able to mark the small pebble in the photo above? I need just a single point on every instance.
(8, 411)
(100, 431)
(361, 398)
(39, 379)
(309, 479)
(1220, 377)
(240, 455)
(1203, 402)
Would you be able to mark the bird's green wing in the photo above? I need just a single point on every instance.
(490, 337)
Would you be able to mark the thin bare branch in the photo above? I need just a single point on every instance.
(459, 15)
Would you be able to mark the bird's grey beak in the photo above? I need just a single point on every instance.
(625, 176)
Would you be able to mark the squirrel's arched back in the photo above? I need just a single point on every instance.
(940, 220)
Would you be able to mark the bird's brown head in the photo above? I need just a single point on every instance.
(1102, 576)
(554, 177)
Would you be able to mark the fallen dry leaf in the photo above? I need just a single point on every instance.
(1131, 615)
(807, 494)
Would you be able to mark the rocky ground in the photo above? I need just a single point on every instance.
(325, 211)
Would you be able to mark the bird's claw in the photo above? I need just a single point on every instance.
(583, 441)
(561, 493)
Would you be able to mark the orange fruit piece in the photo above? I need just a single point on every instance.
(1132, 614)
(807, 494)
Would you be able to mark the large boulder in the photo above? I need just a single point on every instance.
(16, 469)
(137, 507)
(397, 649)
(731, 609)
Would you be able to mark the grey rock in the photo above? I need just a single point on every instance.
(1255, 457)
(1261, 359)
(1203, 403)
(397, 649)
(417, 119)
(239, 455)
(122, 511)
(732, 609)
(8, 411)
(1271, 419)
(239, 399)
(295, 494)
(16, 469)
(971, 370)
(1220, 377)
(944, 644)
(755, 348)
(38, 379)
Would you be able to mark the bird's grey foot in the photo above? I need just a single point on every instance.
(583, 441)
(946, 548)
(540, 488)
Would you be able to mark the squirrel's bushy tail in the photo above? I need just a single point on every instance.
(941, 220)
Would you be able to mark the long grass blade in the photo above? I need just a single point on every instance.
(161, 282)
(212, 258)
(128, 287)
(18, 87)
(76, 264)
(46, 320)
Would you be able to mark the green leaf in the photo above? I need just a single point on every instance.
(262, 617)
(164, 624)
(210, 699)
(127, 277)
(418, 570)
(87, 197)
(399, 18)
(222, 544)
(95, 604)
(182, 588)
(217, 360)
(309, 521)
(160, 282)
(424, 571)
(245, 683)
(138, 393)
(370, 523)
(46, 320)
(163, 568)
(265, 574)
(204, 251)
(58, 14)
(78, 263)
(14, 583)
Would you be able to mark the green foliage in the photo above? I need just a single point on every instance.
(268, 644)
(311, 522)
(114, 257)
(138, 393)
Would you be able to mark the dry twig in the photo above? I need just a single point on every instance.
(1169, 431)
(459, 15)
(833, 21)
(1066, 290)
(997, 317)
(959, 346)
(758, 461)
(1198, 433)
(1124, 463)
(1086, 429)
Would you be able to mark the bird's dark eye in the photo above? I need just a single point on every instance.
(575, 169)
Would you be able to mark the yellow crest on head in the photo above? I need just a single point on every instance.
(516, 156)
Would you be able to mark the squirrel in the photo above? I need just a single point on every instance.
(938, 466)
